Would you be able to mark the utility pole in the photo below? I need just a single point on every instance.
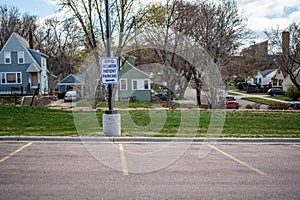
(111, 120)
(108, 54)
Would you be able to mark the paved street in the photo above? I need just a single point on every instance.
(70, 170)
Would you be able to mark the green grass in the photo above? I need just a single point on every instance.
(151, 123)
(17, 120)
(283, 98)
(262, 101)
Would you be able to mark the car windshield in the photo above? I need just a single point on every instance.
(230, 98)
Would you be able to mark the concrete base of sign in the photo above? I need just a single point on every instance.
(111, 124)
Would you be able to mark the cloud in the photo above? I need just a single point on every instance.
(295, 16)
(51, 2)
(265, 15)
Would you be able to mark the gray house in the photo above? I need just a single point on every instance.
(134, 84)
(22, 69)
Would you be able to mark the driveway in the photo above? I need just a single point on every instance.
(60, 104)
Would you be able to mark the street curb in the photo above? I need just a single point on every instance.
(145, 139)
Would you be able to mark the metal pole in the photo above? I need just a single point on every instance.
(110, 105)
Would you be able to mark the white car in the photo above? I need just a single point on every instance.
(71, 96)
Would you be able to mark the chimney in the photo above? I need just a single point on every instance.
(30, 39)
(285, 42)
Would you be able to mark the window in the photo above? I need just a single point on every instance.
(255, 80)
(11, 78)
(134, 84)
(3, 78)
(274, 82)
(259, 80)
(141, 84)
(146, 84)
(123, 84)
(280, 82)
(21, 59)
(7, 58)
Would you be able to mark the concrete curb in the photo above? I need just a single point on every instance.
(145, 139)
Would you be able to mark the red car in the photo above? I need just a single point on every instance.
(231, 103)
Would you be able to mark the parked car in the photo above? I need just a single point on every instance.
(275, 91)
(162, 96)
(293, 105)
(244, 85)
(71, 96)
(231, 103)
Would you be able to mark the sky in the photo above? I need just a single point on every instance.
(261, 14)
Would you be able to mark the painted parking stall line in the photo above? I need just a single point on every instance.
(15, 152)
(239, 161)
(123, 160)
(295, 145)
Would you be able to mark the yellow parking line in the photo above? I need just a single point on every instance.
(123, 160)
(15, 152)
(239, 161)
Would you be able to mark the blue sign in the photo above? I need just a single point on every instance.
(109, 70)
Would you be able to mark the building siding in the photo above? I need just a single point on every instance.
(17, 44)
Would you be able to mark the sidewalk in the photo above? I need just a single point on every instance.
(258, 96)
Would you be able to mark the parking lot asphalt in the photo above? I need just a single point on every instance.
(108, 170)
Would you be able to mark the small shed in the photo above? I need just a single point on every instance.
(70, 82)
(134, 84)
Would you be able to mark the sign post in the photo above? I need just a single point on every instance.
(109, 75)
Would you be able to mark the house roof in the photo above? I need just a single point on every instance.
(26, 47)
(33, 67)
(22, 40)
(70, 79)
(266, 72)
(133, 67)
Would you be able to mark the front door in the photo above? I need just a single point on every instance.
(34, 79)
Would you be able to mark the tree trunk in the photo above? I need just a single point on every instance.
(198, 91)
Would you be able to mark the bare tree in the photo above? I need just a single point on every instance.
(61, 41)
(217, 27)
(287, 46)
(11, 20)
(159, 29)
(90, 14)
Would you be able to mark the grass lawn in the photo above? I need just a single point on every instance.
(283, 98)
(17, 120)
(157, 123)
(260, 100)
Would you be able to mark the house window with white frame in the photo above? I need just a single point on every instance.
(21, 59)
(7, 58)
(11, 78)
(123, 85)
(146, 84)
(140, 84)
(134, 84)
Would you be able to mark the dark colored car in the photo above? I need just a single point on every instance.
(244, 85)
(162, 96)
(231, 103)
(293, 105)
(275, 91)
